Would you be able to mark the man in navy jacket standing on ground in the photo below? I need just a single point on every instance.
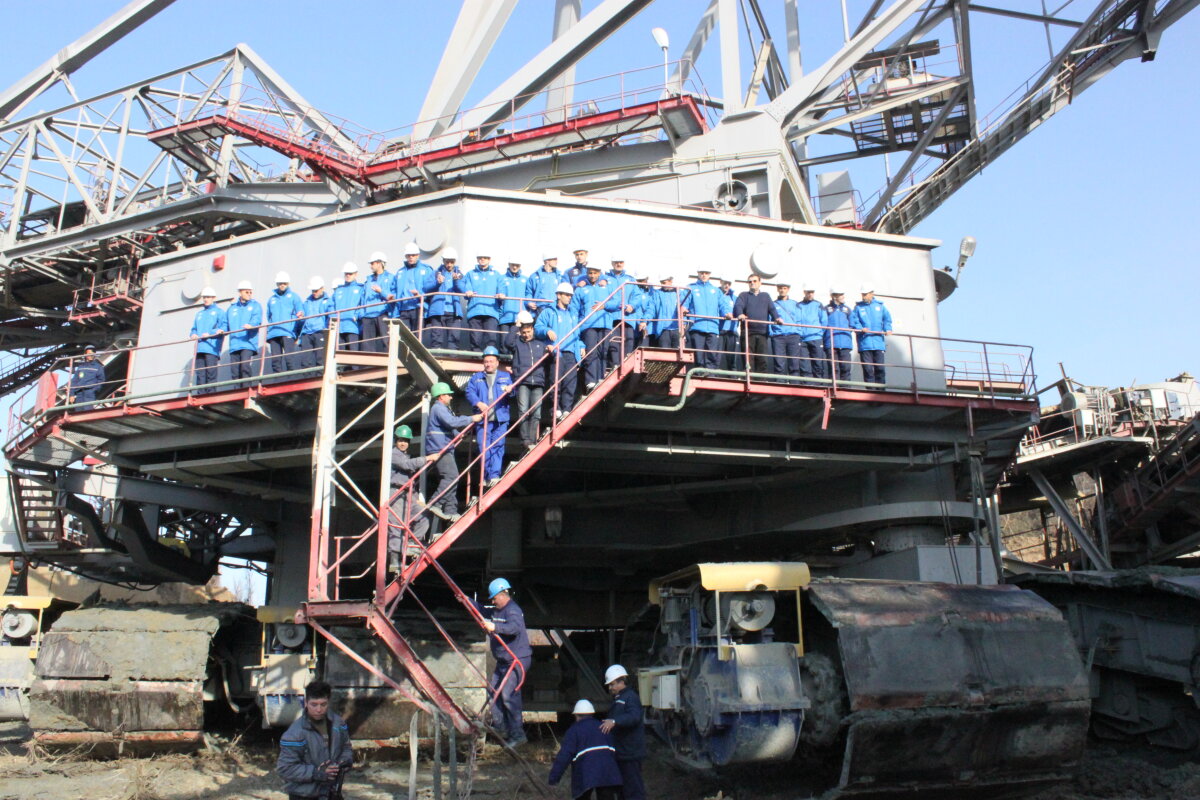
(625, 724)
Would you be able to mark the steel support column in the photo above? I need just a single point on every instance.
(1064, 513)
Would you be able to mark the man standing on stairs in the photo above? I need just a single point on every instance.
(509, 640)
(404, 466)
(444, 425)
(491, 386)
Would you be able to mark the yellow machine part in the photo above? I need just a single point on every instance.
(738, 576)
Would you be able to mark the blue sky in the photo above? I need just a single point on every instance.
(1082, 227)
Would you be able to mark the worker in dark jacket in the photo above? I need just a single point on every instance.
(589, 753)
(444, 425)
(756, 310)
(625, 724)
(404, 466)
(509, 640)
(531, 383)
(489, 391)
(86, 379)
(315, 749)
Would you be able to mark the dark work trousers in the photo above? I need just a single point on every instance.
(312, 349)
(241, 364)
(504, 328)
(563, 371)
(731, 358)
(631, 776)
(812, 359)
(786, 350)
(844, 356)
(282, 349)
(349, 341)
(872, 365)
(760, 349)
(374, 334)
(442, 331)
(668, 339)
(504, 687)
(529, 397)
(418, 523)
(205, 370)
(621, 333)
(410, 318)
(593, 357)
(483, 331)
(705, 345)
(85, 398)
(447, 473)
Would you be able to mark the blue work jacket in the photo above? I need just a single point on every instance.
(316, 312)
(512, 286)
(541, 285)
(524, 356)
(870, 320)
(485, 283)
(376, 300)
(347, 297)
(510, 631)
(303, 749)
(443, 302)
(623, 298)
(664, 311)
(629, 736)
(812, 316)
(577, 274)
(705, 301)
(478, 391)
(209, 321)
(590, 755)
(238, 315)
(443, 426)
(421, 278)
(729, 325)
(563, 322)
(788, 311)
(282, 308)
(640, 298)
(588, 295)
(86, 375)
(837, 315)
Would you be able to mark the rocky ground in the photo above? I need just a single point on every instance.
(236, 769)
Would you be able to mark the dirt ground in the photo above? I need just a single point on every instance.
(237, 770)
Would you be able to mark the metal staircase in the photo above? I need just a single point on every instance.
(38, 514)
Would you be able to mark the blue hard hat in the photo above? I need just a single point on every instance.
(497, 586)
(490, 351)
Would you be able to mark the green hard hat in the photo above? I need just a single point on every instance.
(403, 432)
(440, 388)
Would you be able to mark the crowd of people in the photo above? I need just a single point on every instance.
(590, 314)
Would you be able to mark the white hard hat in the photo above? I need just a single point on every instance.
(579, 250)
(208, 291)
(524, 318)
(807, 286)
(245, 285)
(516, 261)
(378, 255)
(865, 289)
(317, 282)
(833, 290)
(564, 288)
(282, 277)
(546, 255)
(411, 249)
(615, 259)
(349, 267)
(584, 707)
(613, 673)
(449, 254)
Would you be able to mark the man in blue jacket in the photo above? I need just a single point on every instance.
(530, 381)
(208, 329)
(509, 640)
(556, 330)
(315, 311)
(577, 274)
(541, 285)
(379, 290)
(706, 306)
(244, 316)
(592, 305)
(491, 387)
(482, 288)
(731, 353)
(839, 345)
(283, 309)
(625, 724)
(665, 314)
(624, 319)
(811, 316)
(347, 302)
(785, 336)
(414, 281)
(86, 379)
(589, 753)
(444, 313)
(442, 427)
(873, 323)
(315, 748)
(512, 288)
